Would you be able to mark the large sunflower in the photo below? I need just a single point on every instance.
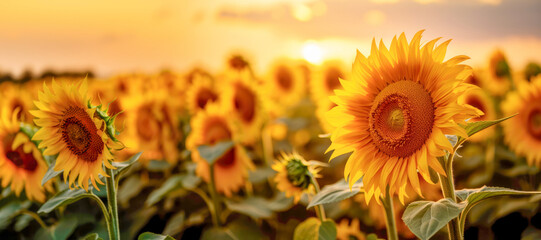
(293, 175)
(394, 112)
(242, 98)
(523, 132)
(21, 163)
(200, 93)
(74, 131)
(210, 126)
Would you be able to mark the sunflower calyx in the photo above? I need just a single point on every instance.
(109, 120)
(298, 173)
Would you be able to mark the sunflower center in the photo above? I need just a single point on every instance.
(218, 131)
(474, 101)
(502, 68)
(534, 124)
(21, 159)
(284, 78)
(80, 134)
(147, 126)
(238, 62)
(205, 95)
(331, 79)
(245, 103)
(401, 118)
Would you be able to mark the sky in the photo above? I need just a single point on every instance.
(121, 36)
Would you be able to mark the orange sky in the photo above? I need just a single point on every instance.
(119, 36)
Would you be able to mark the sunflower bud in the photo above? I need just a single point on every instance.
(532, 70)
(298, 173)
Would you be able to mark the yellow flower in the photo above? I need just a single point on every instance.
(322, 85)
(482, 101)
(151, 126)
(523, 132)
(14, 96)
(21, 163)
(293, 175)
(346, 230)
(284, 85)
(74, 131)
(241, 98)
(200, 93)
(498, 80)
(394, 113)
(209, 127)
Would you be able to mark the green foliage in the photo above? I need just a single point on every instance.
(426, 218)
(336, 192)
(258, 207)
(218, 233)
(472, 197)
(64, 227)
(51, 173)
(314, 229)
(175, 225)
(176, 182)
(10, 210)
(122, 167)
(92, 236)
(214, 152)
(62, 198)
(475, 127)
(154, 236)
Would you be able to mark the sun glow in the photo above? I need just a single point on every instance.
(312, 52)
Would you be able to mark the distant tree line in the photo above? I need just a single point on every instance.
(28, 75)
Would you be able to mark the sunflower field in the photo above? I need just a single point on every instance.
(404, 141)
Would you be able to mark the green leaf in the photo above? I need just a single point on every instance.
(129, 189)
(51, 173)
(92, 236)
(426, 218)
(173, 183)
(212, 153)
(336, 192)
(64, 227)
(63, 198)
(121, 167)
(158, 165)
(154, 236)
(313, 229)
(22, 222)
(10, 210)
(175, 225)
(475, 127)
(472, 197)
(245, 230)
(258, 207)
(260, 175)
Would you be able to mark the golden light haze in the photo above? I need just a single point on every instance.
(111, 37)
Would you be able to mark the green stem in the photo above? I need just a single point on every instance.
(215, 198)
(209, 203)
(448, 190)
(390, 221)
(35, 217)
(320, 211)
(103, 208)
(113, 225)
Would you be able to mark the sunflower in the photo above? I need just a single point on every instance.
(284, 85)
(322, 85)
(482, 101)
(151, 126)
(394, 112)
(241, 97)
(200, 93)
(15, 97)
(21, 163)
(210, 126)
(74, 131)
(294, 175)
(498, 81)
(523, 132)
(346, 230)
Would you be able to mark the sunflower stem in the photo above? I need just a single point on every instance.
(390, 221)
(320, 211)
(215, 198)
(35, 217)
(267, 145)
(113, 226)
(448, 190)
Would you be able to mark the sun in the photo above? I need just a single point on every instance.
(311, 51)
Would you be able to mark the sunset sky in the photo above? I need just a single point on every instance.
(119, 36)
